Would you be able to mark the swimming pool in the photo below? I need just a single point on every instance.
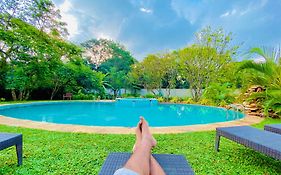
(123, 113)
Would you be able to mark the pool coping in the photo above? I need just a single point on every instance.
(247, 120)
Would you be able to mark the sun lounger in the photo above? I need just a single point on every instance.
(8, 140)
(273, 128)
(172, 164)
(262, 141)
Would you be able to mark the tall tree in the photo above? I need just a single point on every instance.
(97, 51)
(201, 63)
(149, 73)
(40, 13)
(112, 59)
(24, 47)
(171, 71)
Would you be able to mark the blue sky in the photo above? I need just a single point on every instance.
(153, 26)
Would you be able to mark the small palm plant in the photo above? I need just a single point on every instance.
(268, 75)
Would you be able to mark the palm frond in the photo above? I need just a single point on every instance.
(264, 68)
(268, 53)
(259, 51)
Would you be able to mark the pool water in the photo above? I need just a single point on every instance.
(120, 113)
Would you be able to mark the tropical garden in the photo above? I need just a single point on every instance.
(37, 62)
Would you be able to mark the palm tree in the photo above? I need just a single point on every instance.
(268, 75)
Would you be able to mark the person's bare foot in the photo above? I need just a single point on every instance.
(147, 137)
(138, 136)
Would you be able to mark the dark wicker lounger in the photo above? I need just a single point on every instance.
(273, 128)
(172, 164)
(8, 140)
(262, 141)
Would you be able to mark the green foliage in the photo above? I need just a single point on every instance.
(189, 101)
(150, 96)
(46, 152)
(203, 62)
(220, 94)
(42, 14)
(268, 75)
(25, 47)
(38, 60)
(129, 95)
(121, 60)
(271, 102)
(82, 96)
(205, 101)
(200, 66)
(149, 73)
(111, 59)
(161, 99)
(155, 72)
(217, 39)
(176, 100)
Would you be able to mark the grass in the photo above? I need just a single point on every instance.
(47, 152)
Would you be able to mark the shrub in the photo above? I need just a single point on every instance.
(81, 96)
(130, 95)
(2, 99)
(161, 99)
(205, 101)
(150, 96)
(189, 101)
(176, 100)
(219, 94)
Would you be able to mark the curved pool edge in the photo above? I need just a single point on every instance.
(9, 121)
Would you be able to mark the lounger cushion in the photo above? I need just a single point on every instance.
(263, 141)
(172, 164)
(273, 128)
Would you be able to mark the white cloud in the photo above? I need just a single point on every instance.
(225, 14)
(228, 13)
(146, 10)
(101, 35)
(259, 60)
(71, 20)
(65, 6)
(253, 6)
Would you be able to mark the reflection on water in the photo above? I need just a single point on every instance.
(120, 114)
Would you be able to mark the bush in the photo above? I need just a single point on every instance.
(189, 101)
(219, 94)
(150, 96)
(176, 100)
(81, 96)
(205, 101)
(130, 95)
(107, 97)
(2, 99)
(161, 99)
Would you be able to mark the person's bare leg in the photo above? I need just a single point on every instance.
(155, 168)
(140, 159)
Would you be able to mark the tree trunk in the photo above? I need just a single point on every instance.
(54, 91)
(26, 95)
(14, 95)
(20, 96)
(153, 92)
(115, 93)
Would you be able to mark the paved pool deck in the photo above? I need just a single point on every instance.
(248, 120)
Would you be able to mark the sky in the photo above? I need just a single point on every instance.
(157, 26)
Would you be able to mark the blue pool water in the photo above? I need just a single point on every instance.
(120, 113)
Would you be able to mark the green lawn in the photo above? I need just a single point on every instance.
(48, 152)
